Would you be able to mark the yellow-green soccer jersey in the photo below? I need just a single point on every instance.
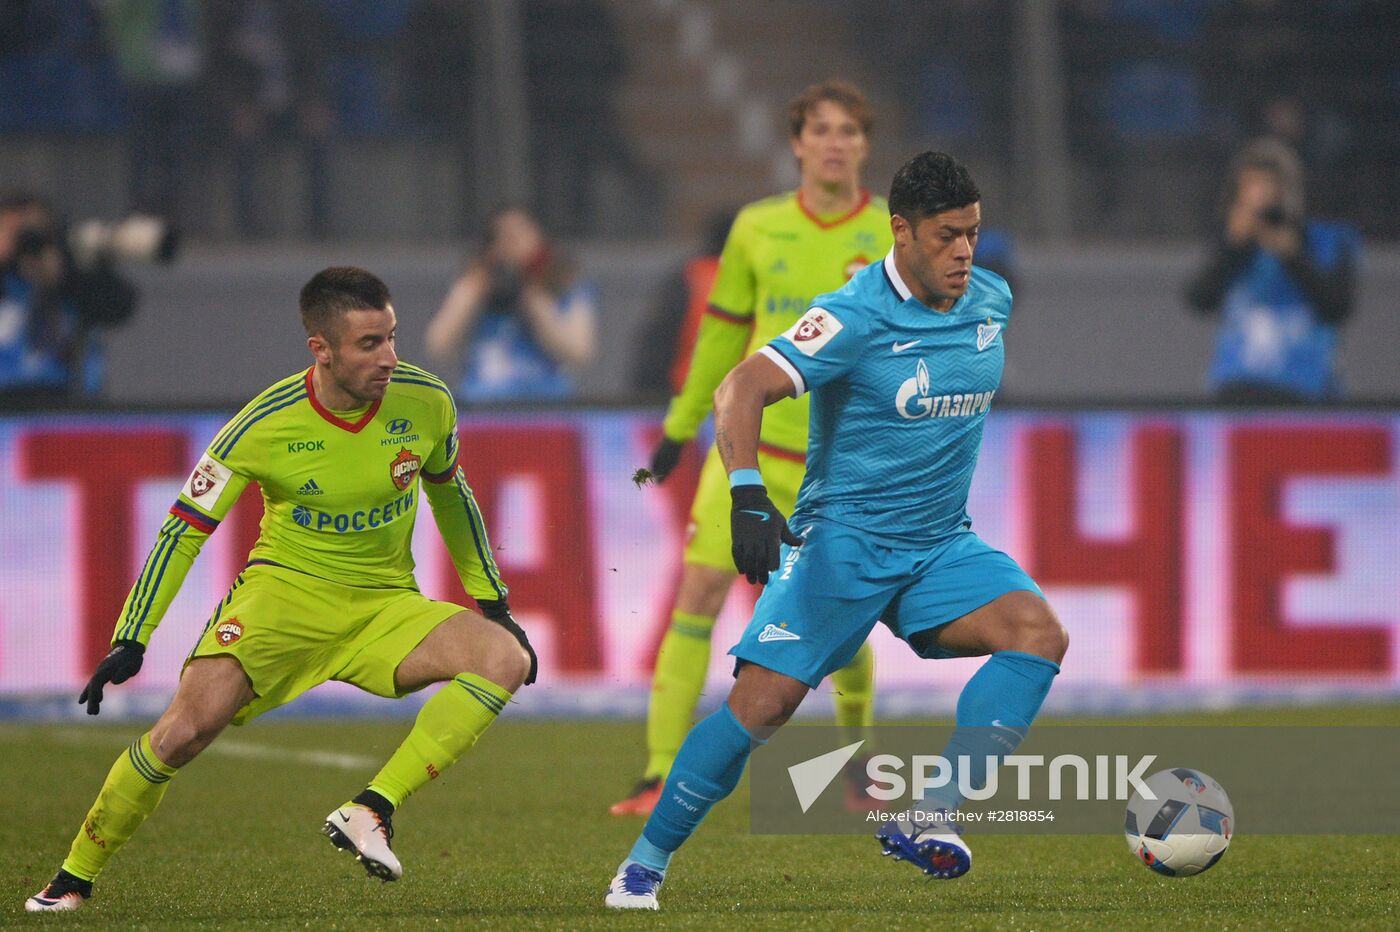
(778, 257)
(339, 495)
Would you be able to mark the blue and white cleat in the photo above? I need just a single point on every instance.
(935, 848)
(634, 887)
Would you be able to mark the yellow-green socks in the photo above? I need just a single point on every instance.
(853, 692)
(133, 789)
(447, 726)
(681, 665)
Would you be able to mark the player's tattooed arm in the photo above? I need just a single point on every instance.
(739, 402)
(725, 444)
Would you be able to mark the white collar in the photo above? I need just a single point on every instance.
(904, 293)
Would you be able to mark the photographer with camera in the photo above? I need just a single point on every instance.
(525, 318)
(1280, 282)
(58, 289)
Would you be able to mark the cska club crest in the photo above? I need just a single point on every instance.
(404, 469)
(228, 632)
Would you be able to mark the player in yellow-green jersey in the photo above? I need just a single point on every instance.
(328, 592)
(781, 252)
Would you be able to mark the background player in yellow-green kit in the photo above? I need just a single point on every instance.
(328, 593)
(782, 252)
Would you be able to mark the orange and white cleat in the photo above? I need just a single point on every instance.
(857, 796)
(642, 799)
(365, 834)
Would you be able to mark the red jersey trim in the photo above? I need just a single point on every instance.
(781, 453)
(438, 478)
(828, 224)
(193, 518)
(325, 412)
(728, 316)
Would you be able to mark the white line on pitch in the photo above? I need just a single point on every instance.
(245, 750)
(319, 758)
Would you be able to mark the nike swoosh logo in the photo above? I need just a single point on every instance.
(760, 515)
(343, 817)
(901, 347)
(686, 789)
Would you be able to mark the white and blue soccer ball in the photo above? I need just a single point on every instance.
(1186, 829)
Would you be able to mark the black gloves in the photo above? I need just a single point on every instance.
(665, 457)
(120, 665)
(498, 611)
(757, 530)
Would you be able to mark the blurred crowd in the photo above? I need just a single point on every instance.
(1166, 102)
(60, 291)
(1193, 78)
(1160, 93)
(1162, 89)
(188, 81)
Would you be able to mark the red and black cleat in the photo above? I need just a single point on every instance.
(64, 892)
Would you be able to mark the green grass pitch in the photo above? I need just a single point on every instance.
(517, 835)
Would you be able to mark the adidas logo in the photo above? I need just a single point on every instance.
(310, 488)
(774, 633)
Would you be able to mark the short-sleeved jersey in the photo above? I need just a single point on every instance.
(899, 395)
(778, 257)
(339, 496)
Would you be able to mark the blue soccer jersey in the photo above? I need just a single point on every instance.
(899, 395)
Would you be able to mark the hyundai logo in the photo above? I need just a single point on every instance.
(399, 425)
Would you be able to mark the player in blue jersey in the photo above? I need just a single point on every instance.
(902, 364)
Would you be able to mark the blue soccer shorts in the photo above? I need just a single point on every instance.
(825, 597)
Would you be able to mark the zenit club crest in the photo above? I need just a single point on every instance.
(404, 469)
(228, 632)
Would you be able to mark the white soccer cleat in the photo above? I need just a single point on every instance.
(634, 887)
(64, 892)
(360, 830)
(935, 848)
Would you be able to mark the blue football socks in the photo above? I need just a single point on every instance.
(708, 767)
(995, 710)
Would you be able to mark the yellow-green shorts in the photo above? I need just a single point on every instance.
(707, 538)
(291, 631)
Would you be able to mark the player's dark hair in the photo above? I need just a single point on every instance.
(928, 184)
(842, 93)
(336, 290)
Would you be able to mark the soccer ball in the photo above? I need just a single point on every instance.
(1186, 829)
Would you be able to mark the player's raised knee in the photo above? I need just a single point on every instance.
(505, 663)
(178, 738)
(1039, 632)
(763, 700)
